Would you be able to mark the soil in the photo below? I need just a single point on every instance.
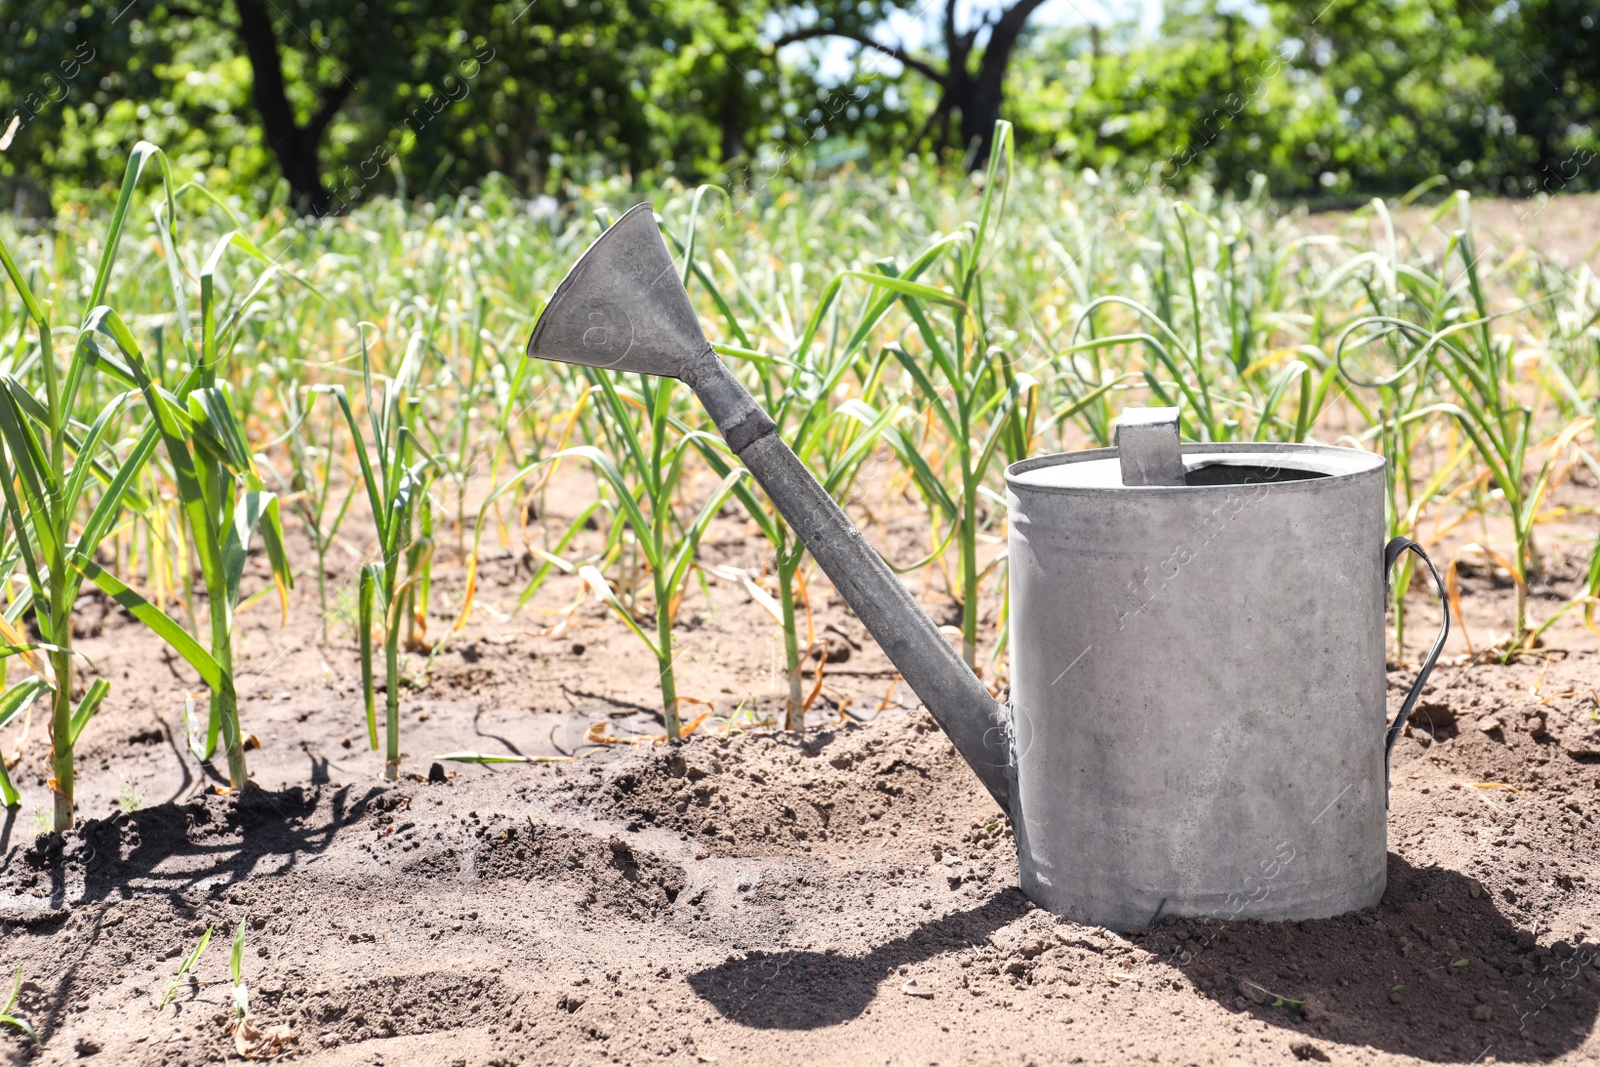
(1562, 229)
(845, 895)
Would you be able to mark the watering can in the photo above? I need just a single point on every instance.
(1197, 721)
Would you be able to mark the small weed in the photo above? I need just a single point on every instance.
(344, 613)
(131, 798)
(241, 993)
(184, 968)
(8, 1016)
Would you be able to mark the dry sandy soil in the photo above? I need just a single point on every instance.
(845, 896)
(1566, 229)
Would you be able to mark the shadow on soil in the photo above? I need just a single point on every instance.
(1436, 971)
(203, 845)
(807, 990)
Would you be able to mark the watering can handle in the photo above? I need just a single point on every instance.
(1391, 552)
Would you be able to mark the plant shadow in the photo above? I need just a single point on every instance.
(205, 843)
(201, 846)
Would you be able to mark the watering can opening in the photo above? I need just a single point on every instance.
(1224, 473)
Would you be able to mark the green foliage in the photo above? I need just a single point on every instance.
(346, 99)
(1505, 97)
(396, 489)
(236, 982)
(1356, 95)
(434, 97)
(983, 402)
(17, 699)
(959, 323)
(639, 475)
(1214, 99)
(223, 499)
(51, 467)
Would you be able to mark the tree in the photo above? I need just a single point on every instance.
(298, 145)
(970, 84)
(337, 94)
(1501, 95)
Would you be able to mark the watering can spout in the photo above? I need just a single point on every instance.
(623, 307)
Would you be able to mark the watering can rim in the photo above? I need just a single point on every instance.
(1358, 462)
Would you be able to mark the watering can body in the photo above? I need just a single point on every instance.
(1198, 694)
(1196, 723)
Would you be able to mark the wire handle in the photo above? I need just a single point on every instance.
(1391, 552)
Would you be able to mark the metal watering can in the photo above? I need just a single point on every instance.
(1197, 720)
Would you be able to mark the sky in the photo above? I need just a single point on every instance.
(916, 28)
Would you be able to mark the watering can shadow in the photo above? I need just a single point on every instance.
(1309, 979)
(799, 990)
(1215, 612)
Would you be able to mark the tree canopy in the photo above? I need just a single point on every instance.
(332, 101)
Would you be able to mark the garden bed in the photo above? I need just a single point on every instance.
(845, 896)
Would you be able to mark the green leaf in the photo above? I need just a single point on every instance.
(8, 792)
(217, 430)
(374, 488)
(84, 463)
(625, 498)
(31, 407)
(20, 517)
(17, 650)
(254, 508)
(29, 463)
(932, 488)
(927, 390)
(241, 993)
(208, 310)
(142, 153)
(277, 552)
(8, 1016)
(999, 151)
(602, 590)
(35, 311)
(19, 696)
(171, 418)
(369, 587)
(15, 699)
(184, 968)
(118, 489)
(98, 689)
(691, 537)
(552, 559)
(159, 621)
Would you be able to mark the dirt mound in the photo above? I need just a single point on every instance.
(619, 875)
(830, 792)
(393, 1005)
